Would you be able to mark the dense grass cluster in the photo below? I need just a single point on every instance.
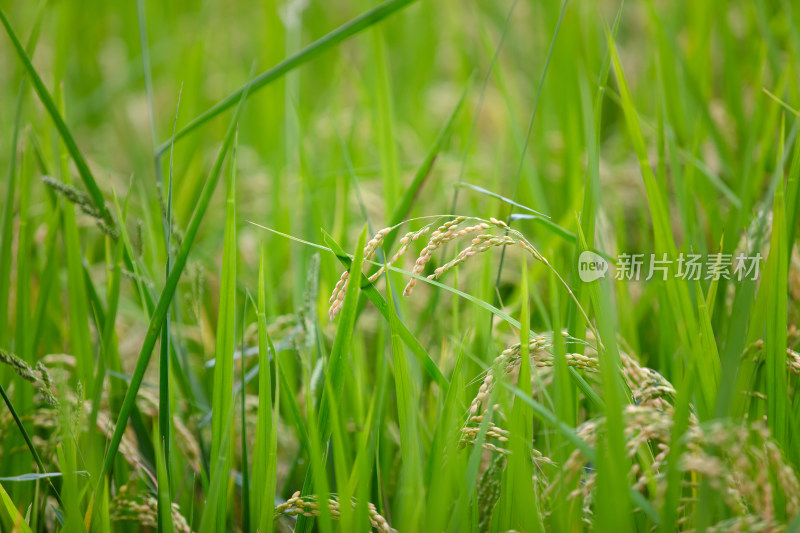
(203, 326)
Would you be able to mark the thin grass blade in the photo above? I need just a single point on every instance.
(52, 110)
(164, 301)
(319, 46)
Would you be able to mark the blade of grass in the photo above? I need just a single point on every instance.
(6, 222)
(479, 106)
(338, 358)
(164, 512)
(339, 448)
(36, 477)
(592, 125)
(442, 472)
(680, 423)
(222, 400)
(49, 278)
(294, 409)
(529, 131)
(344, 330)
(52, 110)
(468, 486)
(66, 453)
(164, 411)
(9, 515)
(80, 337)
(730, 398)
(342, 33)
(361, 477)
(316, 481)
(775, 283)
(265, 447)
(147, 74)
(792, 200)
(613, 492)
(521, 501)
(109, 358)
(187, 382)
(217, 490)
(487, 192)
(547, 416)
(245, 468)
(24, 251)
(411, 193)
(28, 441)
(441, 435)
(384, 119)
(689, 331)
(164, 301)
(407, 398)
(564, 406)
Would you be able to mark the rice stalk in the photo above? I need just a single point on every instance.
(83, 201)
(129, 506)
(309, 506)
(36, 374)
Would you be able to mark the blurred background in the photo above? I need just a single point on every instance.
(367, 111)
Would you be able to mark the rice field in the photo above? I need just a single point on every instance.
(401, 266)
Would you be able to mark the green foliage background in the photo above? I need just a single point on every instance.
(646, 127)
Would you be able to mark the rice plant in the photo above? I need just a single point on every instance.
(399, 266)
